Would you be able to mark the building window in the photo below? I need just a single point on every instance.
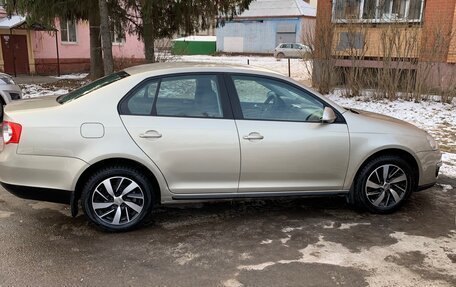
(377, 11)
(68, 31)
(117, 35)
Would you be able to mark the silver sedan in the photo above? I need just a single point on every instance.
(181, 132)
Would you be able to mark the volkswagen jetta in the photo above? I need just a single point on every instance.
(182, 132)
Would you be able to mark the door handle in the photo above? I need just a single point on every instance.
(253, 136)
(150, 135)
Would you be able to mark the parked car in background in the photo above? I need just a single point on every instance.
(9, 91)
(291, 50)
(174, 132)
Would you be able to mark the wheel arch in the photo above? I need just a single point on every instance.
(109, 162)
(392, 151)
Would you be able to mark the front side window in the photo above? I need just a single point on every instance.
(266, 99)
(68, 31)
(377, 11)
(189, 96)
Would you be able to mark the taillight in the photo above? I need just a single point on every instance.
(11, 132)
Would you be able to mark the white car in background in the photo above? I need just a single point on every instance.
(9, 91)
(291, 50)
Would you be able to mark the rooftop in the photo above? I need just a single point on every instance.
(195, 67)
(279, 8)
(11, 22)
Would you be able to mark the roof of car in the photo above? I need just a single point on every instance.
(194, 66)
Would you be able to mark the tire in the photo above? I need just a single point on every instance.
(373, 193)
(280, 55)
(105, 206)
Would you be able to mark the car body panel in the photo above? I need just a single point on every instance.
(293, 156)
(195, 155)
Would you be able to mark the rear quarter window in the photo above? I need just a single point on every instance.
(93, 86)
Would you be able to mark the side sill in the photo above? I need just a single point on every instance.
(38, 193)
(246, 195)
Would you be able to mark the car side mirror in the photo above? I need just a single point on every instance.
(329, 116)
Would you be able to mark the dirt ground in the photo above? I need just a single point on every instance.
(292, 242)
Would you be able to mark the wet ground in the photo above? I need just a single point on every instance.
(300, 242)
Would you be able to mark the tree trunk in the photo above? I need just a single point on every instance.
(149, 42)
(96, 57)
(108, 60)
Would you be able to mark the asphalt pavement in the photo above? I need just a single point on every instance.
(286, 242)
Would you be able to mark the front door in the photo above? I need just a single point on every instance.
(15, 54)
(284, 144)
(183, 125)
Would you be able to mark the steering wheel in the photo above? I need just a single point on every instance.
(313, 117)
(273, 100)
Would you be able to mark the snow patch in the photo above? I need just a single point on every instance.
(77, 76)
(267, 241)
(446, 187)
(257, 267)
(35, 91)
(449, 165)
(290, 229)
(232, 283)
(377, 260)
(5, 214)
(350, 225)
(298, 67)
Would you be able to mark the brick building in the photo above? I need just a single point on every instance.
(411, 32)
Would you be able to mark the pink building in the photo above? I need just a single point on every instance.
(27, 50)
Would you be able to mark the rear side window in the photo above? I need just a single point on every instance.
(95, 85)
(142, 99)
(189, 96)
(176, 96)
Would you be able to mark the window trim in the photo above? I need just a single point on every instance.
(377, 19)
(236, 103)
(227, 110)
(68, 34)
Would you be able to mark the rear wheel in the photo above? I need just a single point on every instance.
(117, 198)
(384, 184)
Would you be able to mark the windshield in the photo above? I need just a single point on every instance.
(95, 85)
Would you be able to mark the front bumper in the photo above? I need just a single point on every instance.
(430, 163)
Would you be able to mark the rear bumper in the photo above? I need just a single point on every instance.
(37, 193)
(42, 172)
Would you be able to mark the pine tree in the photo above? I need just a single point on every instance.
(45, 12)
(155, 19)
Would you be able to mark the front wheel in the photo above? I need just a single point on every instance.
(117, 198)
(384, 184)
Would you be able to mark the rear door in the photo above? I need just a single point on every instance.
(184, 124)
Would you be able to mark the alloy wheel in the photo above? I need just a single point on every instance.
(386, 186)
(117, 200)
